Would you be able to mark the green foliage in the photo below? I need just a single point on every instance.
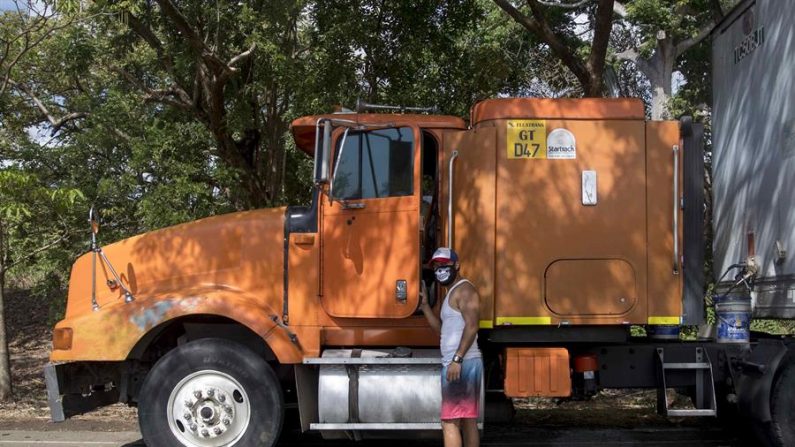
(420, 52)
(776, 327)
(679, 19)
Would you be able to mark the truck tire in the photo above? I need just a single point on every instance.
(211, 392)
(782, 406)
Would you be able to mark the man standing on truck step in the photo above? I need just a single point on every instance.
(462, 369)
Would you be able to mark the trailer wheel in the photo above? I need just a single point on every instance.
(211, 392)
(782, 407)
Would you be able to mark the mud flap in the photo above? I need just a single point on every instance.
(65, 404)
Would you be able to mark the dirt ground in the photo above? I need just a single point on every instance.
(30, 338)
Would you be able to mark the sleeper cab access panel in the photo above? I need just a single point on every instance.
(568, 211)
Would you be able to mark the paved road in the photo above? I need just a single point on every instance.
(508, 437)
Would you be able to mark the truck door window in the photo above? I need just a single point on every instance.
(375, 164)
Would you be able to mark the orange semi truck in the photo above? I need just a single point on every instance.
(577, 219)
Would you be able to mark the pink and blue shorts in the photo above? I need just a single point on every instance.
(461, 398)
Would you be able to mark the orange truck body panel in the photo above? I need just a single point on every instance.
(227, 265)
(537, 372)
(535, 252)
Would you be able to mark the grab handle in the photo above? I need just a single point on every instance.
(450, 199)
(676, 210)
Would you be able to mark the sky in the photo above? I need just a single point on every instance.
(6, 4)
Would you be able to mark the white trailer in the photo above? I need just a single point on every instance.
(753, 55)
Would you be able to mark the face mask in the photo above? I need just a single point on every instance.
(445, 274)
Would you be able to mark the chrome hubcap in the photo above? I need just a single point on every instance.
(208, 409)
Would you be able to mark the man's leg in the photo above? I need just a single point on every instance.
(471, 435)
(452, 432)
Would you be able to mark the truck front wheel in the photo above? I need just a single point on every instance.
(211, 392)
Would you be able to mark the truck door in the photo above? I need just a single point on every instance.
(370, 227)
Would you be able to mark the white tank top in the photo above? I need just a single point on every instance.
(452, 329)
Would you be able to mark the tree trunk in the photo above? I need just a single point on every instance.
(5, 362)
(661, 70)
(658, 69)
(660, 95)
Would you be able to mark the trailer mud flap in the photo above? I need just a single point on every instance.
(754, 381)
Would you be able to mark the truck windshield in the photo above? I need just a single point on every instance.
(374, 164)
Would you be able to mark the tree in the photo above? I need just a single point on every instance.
(31, 222)
(664, 31)
(554, 23)
(23, 28)
(233, 67)
(418, 53)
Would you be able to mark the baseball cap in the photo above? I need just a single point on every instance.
(445, 255)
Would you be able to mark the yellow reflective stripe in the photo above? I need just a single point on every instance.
(523, 320)
(486, 324)
(665, 320)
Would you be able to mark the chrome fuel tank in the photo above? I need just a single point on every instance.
(367, 390)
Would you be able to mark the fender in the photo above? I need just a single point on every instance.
(111, 333)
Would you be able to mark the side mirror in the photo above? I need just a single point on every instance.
(93, 220)
(322, 152)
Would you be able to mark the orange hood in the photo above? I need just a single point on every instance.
(240, 251)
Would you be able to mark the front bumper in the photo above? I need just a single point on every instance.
(77, 388)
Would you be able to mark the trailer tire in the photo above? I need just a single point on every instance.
(782, 407)
(202, 394)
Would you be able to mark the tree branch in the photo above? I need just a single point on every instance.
(149, 37)
(538, 26)
(8, 266)
(166, 96)
(559, 4)
(27, 34)
(630, 54)
(56, 123)
(194, 40)
(242, 56)
(689, 43)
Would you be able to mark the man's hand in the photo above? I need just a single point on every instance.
(453, 372)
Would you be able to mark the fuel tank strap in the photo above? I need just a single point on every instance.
(353, 388)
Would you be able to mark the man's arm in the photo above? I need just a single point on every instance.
(468, 303)
(427, 310)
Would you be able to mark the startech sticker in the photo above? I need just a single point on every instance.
(561, 145)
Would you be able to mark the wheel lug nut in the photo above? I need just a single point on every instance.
(197, 394)
(205, 433)
(222, 397)
(192, 427)
(210, 392)
(186, 416)
(228, 409)
(188, 403)
(217, 430)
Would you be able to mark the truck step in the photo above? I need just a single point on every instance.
(680, 366)
(362, 426)
(701, 369)
(377, 426)
(691, 413)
